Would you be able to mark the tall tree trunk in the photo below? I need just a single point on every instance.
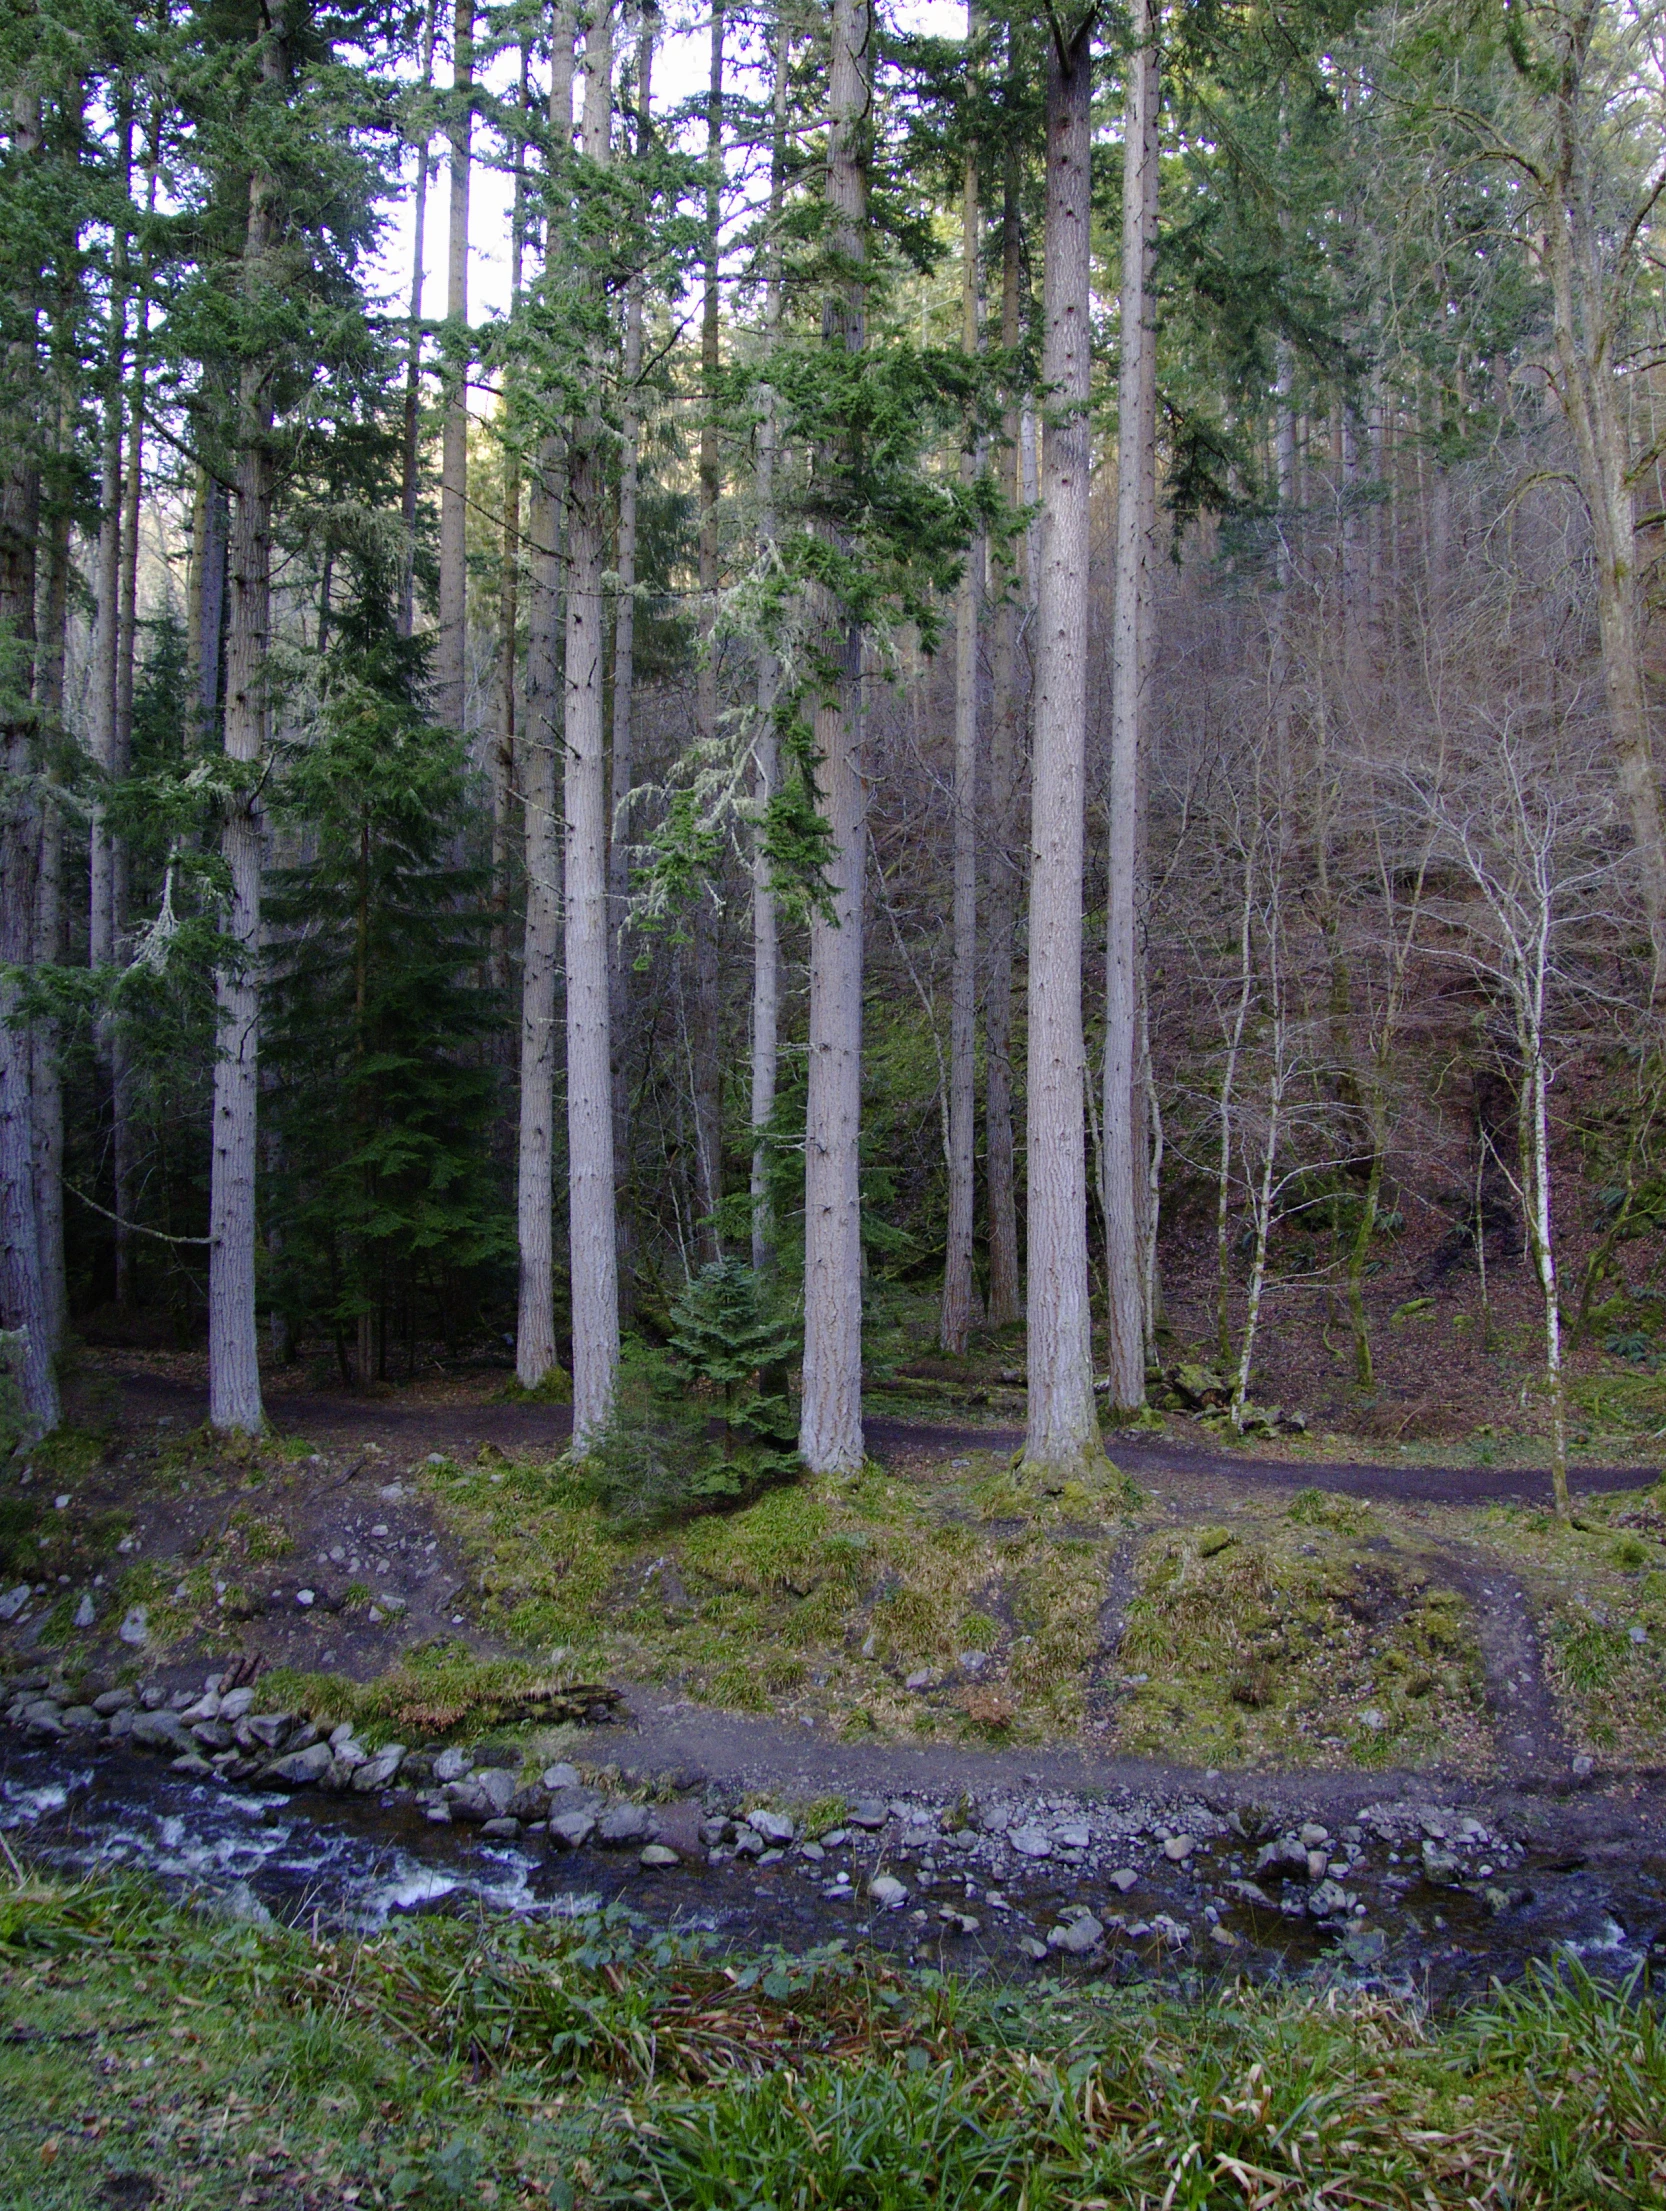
(451, 643)
(830, 1429)
(23, 1303)
(233, 1351)
(624, 705)
(206, 602)
(509, 573)
(121, 759)
(959, 1291)
(1005, 874)
(1591, 294)
(106, 654)
(706, 1040)
(1124, 1125)
(411, 458)
(535, 1353)
(104, 710)
(766, 978)
(45, 1069)
(594, 1256)
(1062, 1435)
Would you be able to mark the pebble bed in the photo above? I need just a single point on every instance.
(1107, 1878)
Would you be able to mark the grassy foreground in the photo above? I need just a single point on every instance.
(150, 2054)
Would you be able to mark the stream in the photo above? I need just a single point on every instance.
(350, 1861)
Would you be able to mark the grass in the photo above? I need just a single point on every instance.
(439, 1690)
(1277, 1645)
(818, 1599)
(1594, 1580)
(458, 2061)
(1310, 1631)
(1627, 1405)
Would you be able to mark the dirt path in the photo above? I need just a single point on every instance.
(416, 1427)
(1146, 1456)
(1529, 1730)
(689, 1742)
(379, 1438)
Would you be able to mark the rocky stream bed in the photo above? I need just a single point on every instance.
(1393, 1881)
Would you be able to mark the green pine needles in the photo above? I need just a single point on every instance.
(711, 1423)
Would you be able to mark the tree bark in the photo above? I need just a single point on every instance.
(206, 601)
(509, 573)
(1589, 306)
(234, 1401)
(106, 653)
(1062, 1434)
(766, 983)
(624, 707)
(959, 1290)
(535, 1351)
(451, 642)
(830, 1427)
(1124, 1130)
(23, 1304)
(121, 757)
(593, 1255)
(104, 717)
(411, 459)
(46, 1072)
(1005, 873)
(706, 1041)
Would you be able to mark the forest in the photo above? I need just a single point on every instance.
(973, 680)
(832, 1104)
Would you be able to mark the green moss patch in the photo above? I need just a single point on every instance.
(1299, 1652)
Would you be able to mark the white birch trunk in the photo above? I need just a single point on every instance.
(593, 1255)
(1062, 1435)
(1530, 978)
(1263, 1205)
(1229, 1080)
(451, 641)
(1136, 471)
(830, 1428)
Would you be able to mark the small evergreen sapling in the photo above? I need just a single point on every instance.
(730, 1335)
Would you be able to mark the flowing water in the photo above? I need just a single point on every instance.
(351, 1862)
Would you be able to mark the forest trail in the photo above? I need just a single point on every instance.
(418, 1426)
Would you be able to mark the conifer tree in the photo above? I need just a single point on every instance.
(1062, 1433)
(830, 1430)
(592, 1236)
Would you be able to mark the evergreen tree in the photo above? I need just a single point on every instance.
(387, 1213)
